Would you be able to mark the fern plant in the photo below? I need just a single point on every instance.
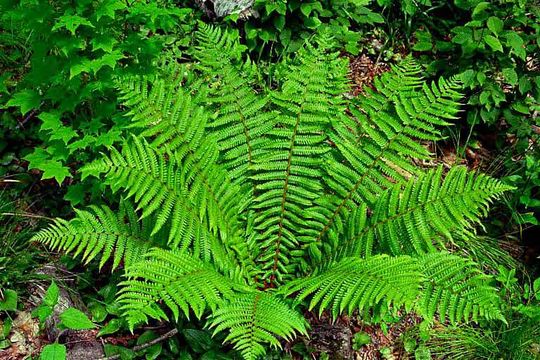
(252, 204)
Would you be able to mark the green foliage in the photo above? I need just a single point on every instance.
(18, 258)
(285, 25)
(101, 232)
(75, 319)
(516, 338)
(428, 208)
(50, 299)
(357, 283)
(492, 46)
(257, 318)
(439, 283)
(457, 289)
(8, 300)
(53, 352)
(491, 52)
(240, 116)
(242, 237)
(526, 177)
(180, 280)
(75, 50)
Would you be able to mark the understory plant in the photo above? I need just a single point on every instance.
(246, 205)
(62, 98)
(517, 338)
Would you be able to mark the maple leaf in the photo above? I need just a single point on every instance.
(109, 7)
(26, 100)
(55, 169)
(64, 133)
(51, 120)
(71, 23)
(85, 65)
(75, 194)
(40, 159)
(103, 42)
(109, 60)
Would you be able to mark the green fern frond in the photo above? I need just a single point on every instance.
(241, 117)
(384, 148)
(173, 277)
(216, 48)
(157, 189)
(256, 319)
(289, 169)
(360, 284)
(251, 188)
(409, 218)
(456, 289)
(101, 232)
(404, 78)
(177, 128)
(438, 283)
(163, 109)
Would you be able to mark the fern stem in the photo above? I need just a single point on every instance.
(252, 322)
(404, 213)
(157, 340)
(358, 183)
(285, 187)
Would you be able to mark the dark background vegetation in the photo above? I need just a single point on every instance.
(59, 109)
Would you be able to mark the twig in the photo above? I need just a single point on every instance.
(26, 118)
(18, 181)
(25, 215)
(146, 345)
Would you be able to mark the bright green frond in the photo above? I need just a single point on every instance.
(438, 283)
(360, 284)
(382, 150)
(288, 171)
(157, 189)
(404, 78)
(101, 232)
(177, 128)
(216, 48)
(181, 282)
(456, 289)
(166, 112)
(241, 116)
(410, 218)
(256, 319)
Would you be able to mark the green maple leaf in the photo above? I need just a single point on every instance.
(103, 42)
(84, 65)
(55, 169)
(109, 7)
(37, 158)
(109, 60)
(26, 100)
(70, 45)
(52, 168)
(88, 65)
(71, 23)
(51, 120)
(108, 138)
(64, 133)
(82, 143)
(75, 194)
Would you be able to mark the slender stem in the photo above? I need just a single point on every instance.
(25, 215)
(146, 345)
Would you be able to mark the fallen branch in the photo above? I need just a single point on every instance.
(146, 345)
